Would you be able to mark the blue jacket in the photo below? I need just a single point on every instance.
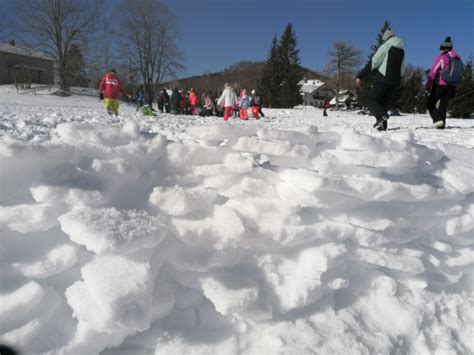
(244, 102)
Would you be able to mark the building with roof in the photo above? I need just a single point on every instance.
(347, 100)
(314, 93)
(21, 65)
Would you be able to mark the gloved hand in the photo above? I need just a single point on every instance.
(101, 95)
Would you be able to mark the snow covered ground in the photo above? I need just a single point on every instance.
(177, 235)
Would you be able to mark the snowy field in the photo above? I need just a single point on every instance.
(295, 234)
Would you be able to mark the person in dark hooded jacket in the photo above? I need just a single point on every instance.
(163, 101)
(175, 101)
(388, 64)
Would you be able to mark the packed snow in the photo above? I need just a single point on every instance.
(177, 234)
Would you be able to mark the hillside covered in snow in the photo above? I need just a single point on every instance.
(175, 235)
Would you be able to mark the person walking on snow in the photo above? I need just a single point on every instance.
(388, 63)
(175, 101)
(193, 102)
(327, 105)
(442, 86)
(244, 104)
(111, 88)
(228, 100)
(140, 97)
(256, 104)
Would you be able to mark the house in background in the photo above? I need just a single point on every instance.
(314, 93)
(23, 66)
(347, 100)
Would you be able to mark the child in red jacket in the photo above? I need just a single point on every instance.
(111, 89)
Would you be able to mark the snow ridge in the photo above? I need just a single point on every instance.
(234, 239)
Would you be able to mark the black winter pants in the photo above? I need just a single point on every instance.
(378, 97)
(441, 93)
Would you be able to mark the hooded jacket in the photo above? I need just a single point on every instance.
(228, 98)
(438, 66)
(111, 86)
(388, 63)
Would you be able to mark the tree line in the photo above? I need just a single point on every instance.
(140, 38)
(87, 37)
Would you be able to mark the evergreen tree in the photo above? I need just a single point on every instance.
(271, 78)
(411, 96)
(291, 71)
(76, 67)
(363, 91)
(462, 106)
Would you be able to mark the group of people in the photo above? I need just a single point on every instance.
(387, 64)
(444, 78)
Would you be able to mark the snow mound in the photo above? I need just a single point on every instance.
(178, 235)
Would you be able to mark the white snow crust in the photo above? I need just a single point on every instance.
(294, 234)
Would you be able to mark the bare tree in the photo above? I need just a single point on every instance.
(150, 34)
(54, 25)
(344, 60)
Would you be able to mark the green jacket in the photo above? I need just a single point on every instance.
(388, 62)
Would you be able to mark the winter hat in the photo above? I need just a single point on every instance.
(387, 34)
(112, 71)
(447, 44)
(253, 92)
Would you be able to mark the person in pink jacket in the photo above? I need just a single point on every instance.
(439, 89)
(193, 102)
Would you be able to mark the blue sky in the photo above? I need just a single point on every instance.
(217, 33)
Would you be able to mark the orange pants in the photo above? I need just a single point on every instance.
(227, 112)
(255, 112)
(244, 114)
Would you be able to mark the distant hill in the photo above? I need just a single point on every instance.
(245, 75)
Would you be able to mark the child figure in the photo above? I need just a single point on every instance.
(244, 104)
(228, 100)
(111, 89)
(256, 103)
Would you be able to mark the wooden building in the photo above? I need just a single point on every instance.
(23, 66)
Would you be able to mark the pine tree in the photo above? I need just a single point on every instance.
(462, 106)
(271, 78)
(292, 73)
(411, 94)
(76, 66)
(363, 91)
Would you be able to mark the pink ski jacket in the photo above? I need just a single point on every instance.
(438, 66)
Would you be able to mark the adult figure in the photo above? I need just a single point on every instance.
(443, 82)
(388, 65)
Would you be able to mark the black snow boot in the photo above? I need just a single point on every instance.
(381, 123)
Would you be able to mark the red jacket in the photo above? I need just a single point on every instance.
(193, 99)
(111, 85)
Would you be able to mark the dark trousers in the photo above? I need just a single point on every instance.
(378, 97)
(324, 112)
(441, 93)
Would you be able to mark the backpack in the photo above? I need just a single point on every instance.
(453, 72)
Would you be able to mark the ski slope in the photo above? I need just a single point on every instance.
(294, 234)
